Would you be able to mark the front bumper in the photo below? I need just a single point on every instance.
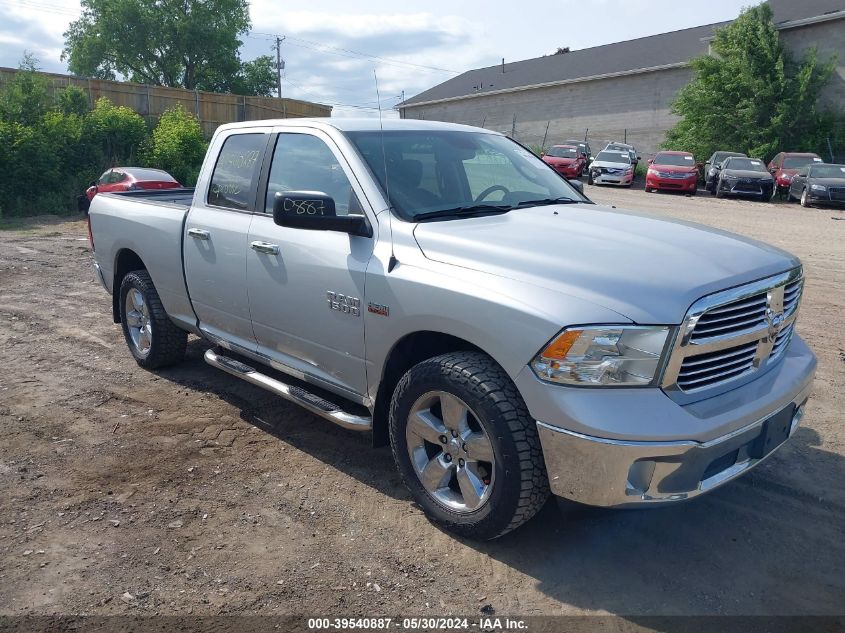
(762, 189)
(613, 179)
(664, 452)
(672, 184)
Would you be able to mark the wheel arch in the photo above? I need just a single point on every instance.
(411, 349)
(125, 261)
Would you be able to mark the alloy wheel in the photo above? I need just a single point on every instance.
(450, 451)
(138, 321)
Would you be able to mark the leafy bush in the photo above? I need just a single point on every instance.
(177, 145)
(113, 134)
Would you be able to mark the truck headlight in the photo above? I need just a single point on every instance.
(603, 355)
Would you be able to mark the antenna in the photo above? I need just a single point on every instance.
(393, 261)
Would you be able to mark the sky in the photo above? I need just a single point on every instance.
(332, 47)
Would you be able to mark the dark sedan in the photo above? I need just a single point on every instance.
(712, 167)
(818, 184)
(744, 177)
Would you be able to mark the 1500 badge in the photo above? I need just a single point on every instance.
(342, 303)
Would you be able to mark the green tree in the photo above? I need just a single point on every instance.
(27, 97)
(72, 100)
(750, 94)
(177, 145)
(112, 135)
(177, 43)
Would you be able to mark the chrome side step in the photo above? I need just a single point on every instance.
(312, 402)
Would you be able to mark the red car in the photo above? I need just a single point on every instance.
(672, 171)
(128, 179)
(785, 166)
(566, 160)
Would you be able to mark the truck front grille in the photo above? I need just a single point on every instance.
(732, 335)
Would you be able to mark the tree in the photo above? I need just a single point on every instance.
(113, 134)
(27, 97)
(750, 95)
(179, 43)
(257, 77)
(177, 145)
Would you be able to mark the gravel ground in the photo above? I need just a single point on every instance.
(187, 492)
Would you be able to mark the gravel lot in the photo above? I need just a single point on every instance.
(186, 491)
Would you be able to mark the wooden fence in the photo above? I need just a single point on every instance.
(211, 108)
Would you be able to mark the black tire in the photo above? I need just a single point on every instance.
(168, 342)
(520, 485)
(590, 178)
(804, 201)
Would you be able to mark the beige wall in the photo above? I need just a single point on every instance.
(829, 39)
(606, 107)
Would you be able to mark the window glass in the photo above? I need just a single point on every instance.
(424, 171)
(104, 179)
(674, 160)
(302, 162)
(235, 171)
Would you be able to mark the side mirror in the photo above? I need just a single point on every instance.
(577, 185)
(315, 211)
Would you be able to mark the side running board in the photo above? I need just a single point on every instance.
(314, 403)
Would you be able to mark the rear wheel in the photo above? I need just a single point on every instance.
(466, 446)
(151, 336)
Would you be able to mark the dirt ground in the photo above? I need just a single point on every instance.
(188, 492)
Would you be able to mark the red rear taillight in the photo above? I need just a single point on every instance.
(90, 235)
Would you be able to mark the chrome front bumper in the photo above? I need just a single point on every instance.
(625, 472)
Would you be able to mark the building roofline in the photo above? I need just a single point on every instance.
(547, 84)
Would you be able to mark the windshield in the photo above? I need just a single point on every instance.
(563, 152)
(149, 174)
(614, 157)
(439, 170)
(827, 171)
(745, 164)
(676, 160)
(797, 162)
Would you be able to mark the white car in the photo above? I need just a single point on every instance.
(611, 168)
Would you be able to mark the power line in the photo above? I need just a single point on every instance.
(346, 52)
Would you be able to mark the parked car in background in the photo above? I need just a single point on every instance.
(672, 171)
(584, 146)
(624, 147)
(567, 160)
(818, 183)
(785, 165)
(712, 167)
(611, 168)
(128, 179)
(744, 177)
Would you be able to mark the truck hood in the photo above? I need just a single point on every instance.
(645, 268)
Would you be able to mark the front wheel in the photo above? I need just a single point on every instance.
(466, 446)
(805, 201)
(151, 336)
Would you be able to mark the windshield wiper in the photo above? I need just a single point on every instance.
(545, 201)
(465, 211)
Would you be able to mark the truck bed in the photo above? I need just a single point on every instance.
(145, 225)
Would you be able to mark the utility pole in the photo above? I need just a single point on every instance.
(280, 65)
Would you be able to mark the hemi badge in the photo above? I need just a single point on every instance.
(377, 308)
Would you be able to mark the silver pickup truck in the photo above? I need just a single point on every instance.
(444, 289)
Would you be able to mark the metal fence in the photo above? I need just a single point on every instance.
(211, 108)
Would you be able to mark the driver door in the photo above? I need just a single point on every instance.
(296, 277)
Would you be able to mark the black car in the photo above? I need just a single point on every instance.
(818, 183)
(744, 177)
(712, 167)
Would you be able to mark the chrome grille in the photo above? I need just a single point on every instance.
(703, 370)
(731, 335)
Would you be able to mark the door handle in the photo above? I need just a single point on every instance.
(199, 234)
(264, 247)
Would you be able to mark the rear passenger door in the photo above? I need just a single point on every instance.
(216, 232)
(306, 287)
